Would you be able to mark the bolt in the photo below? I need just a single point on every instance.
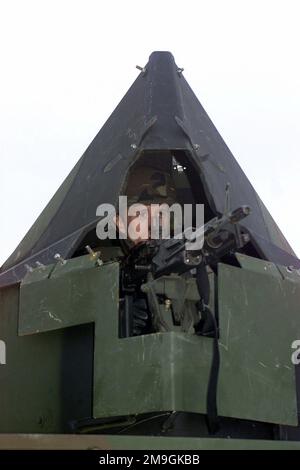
(142, 69)
(39, 265)
(94, 255)
(59, 258)
(90, 251)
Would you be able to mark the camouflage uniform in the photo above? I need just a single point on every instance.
(147, 185)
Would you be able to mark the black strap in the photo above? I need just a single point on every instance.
(208, 327)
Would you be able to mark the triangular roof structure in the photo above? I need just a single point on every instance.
(159, 111)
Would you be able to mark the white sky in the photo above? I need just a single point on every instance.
(65, 65)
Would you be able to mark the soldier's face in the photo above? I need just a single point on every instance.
(140, 219)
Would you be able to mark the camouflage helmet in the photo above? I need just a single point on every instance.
(148, 185)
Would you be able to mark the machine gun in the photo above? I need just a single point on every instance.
(208, 244)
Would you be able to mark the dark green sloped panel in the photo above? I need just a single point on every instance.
(259, 319)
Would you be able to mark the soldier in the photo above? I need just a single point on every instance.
(147, 185)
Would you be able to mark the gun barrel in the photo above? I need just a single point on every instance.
(217, 224)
